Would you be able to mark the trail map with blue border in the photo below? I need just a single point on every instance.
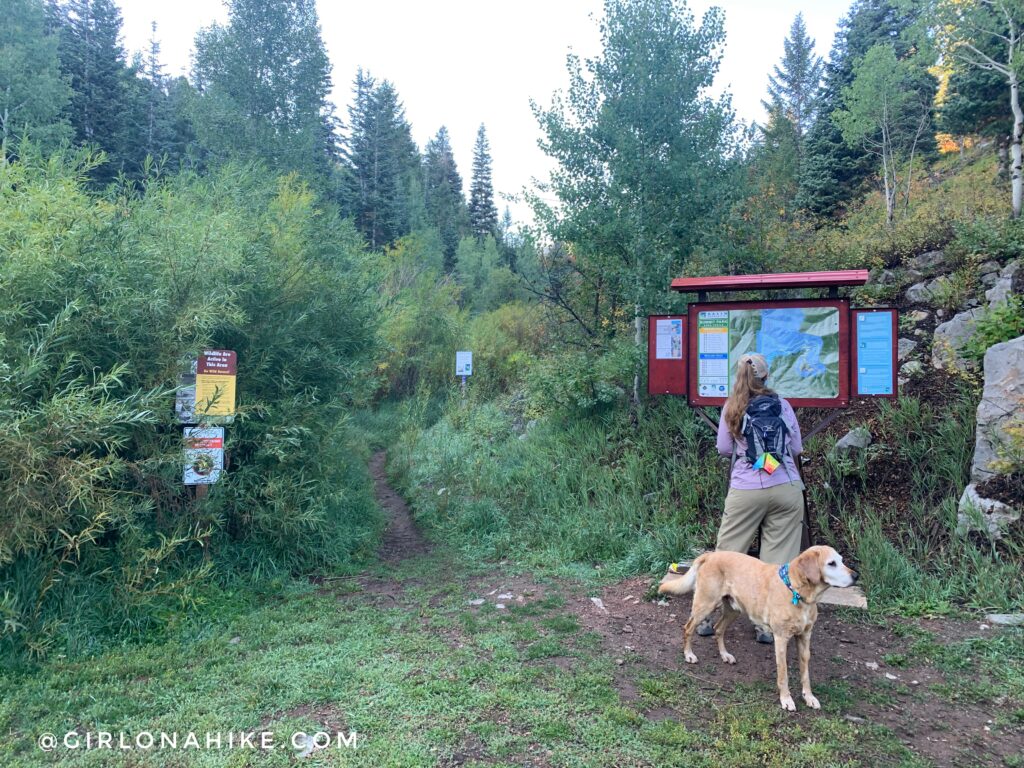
(800, 344)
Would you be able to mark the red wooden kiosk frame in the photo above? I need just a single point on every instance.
(661, 378)
(842, 306)
(665, 377)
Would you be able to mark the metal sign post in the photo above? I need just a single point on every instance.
(464, 368)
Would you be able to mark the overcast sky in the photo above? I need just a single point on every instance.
(460, 63)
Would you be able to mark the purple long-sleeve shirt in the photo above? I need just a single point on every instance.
(744, 476)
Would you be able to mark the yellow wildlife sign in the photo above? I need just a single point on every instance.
(215, 383)
(215, 394)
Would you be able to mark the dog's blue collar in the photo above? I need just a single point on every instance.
(784, 575)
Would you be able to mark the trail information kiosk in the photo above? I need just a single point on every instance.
(822, 353)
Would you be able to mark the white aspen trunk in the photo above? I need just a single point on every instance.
(638, 338)
(1016, 181)
(890, 191)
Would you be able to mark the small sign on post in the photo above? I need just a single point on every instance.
(185, 396)
(215, 385)
(204, 455)
(464, 367)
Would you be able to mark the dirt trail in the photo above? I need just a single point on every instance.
(645, 638)
(402, 539)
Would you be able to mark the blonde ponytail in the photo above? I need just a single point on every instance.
(745, 388)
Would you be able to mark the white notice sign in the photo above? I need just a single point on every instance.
(464, 363)
(668, 339)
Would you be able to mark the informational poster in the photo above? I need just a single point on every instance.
(713, 353)
(185, 395)
(204, 455)
(215, 384)
(875, 368)
(801, 345)
(668, 339)
(464, 363)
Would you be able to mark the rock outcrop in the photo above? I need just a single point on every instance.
(1011, 281)
(949, 341)
(1001, 407)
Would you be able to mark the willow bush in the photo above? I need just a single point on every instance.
(102, 300)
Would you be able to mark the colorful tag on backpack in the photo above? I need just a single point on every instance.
(767, 462)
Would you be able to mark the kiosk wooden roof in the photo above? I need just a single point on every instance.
(832, 280)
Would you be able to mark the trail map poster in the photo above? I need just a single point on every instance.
(801, 344)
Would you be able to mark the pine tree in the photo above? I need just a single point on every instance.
(831, 171)
(166, 131)
(383, 163)
(483, 215)
(794, 86)
(442, 190)
(91, 54)
(33, 94)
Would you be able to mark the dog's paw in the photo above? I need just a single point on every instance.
(728, 658)
(811, 701)
(690, 658)
(787, 703)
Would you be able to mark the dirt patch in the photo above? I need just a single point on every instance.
(647, 636)
(325, 715)
(402, 540)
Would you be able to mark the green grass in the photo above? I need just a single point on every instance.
(422, 678)
(609, 495)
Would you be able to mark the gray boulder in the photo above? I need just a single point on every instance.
(909, 371)
(918, 293)
(879, 276)
(1011, 280)
(949, 341)
(904, 349)
(930, 262)
(1001, 406)
(990, 267)
(975, 513)
(857, 439)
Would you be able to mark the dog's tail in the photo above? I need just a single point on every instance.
(675, 584)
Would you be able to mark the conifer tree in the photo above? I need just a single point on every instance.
(91, 54)
(483, 215)
(831, 171)
(794, 86)
(383, 163)
(166, 131)
(33, 94)
(442, 190)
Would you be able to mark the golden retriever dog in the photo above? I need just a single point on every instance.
(742, 584)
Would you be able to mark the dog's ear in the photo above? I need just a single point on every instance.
(808, 566)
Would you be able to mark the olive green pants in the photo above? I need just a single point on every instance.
(777, 511)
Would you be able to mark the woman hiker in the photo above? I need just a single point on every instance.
(765, 490)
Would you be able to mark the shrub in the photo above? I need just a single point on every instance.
(504, 344)
(582, 382)
(996, 324)
(104, 298)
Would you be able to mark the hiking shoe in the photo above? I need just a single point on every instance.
(764, 636)
(706, 628)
